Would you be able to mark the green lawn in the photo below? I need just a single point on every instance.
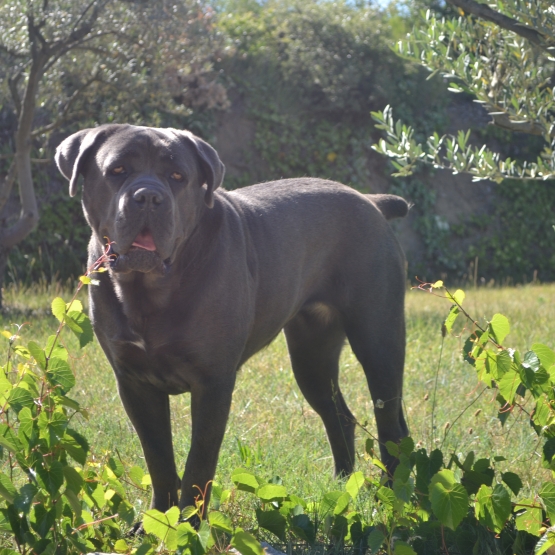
(285, 437)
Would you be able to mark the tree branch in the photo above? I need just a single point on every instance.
(530, 127)
(59, 121)
(6, 188)
(485, 12)
(12, 85)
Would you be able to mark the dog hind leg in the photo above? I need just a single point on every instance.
(379, 345)
(315, 345)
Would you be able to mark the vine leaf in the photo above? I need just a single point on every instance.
(449, 499)
(500, 327)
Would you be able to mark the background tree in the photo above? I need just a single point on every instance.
(63, 60)
(504, 58)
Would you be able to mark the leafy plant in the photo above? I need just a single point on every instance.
(502, 55)
(56, 497)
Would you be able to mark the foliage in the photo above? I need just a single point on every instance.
(57, 498)
(96, 61)
(518, 236)
(504, 59)
(114, 73)
(110, 73)
(309, 73)
(436, 499)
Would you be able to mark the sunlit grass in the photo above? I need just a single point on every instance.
(285, 437)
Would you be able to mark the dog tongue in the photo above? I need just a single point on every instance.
(144, 241)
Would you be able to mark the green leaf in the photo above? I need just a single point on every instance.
(82, 327)
(7, 489)
(121, 545)
(5, 389)
(24, 499)
(501, 501)
(73, 325)
(386, 496)
(42, 520)
(530, 520)
(20, 398)
(493, 506)
(375, 540)
(545, 542)
(38, 354)
(74, 306)
(26, 423)
(59, 308)
(403, 489)
(245, 480)
(342, 503)
(449, 499)
(50, 477)
(547, 494)
(73, 479)
(246, 544)
(74, 449)
(392, 448)
(451, 317)
(136, 475)
(162, 525)
(204, 536)
(126, 512)
(303, 527)
(9, 441)
(273, 521)
(59, 374)
(52, 427)
(354, 483)
(457, 297)
(500, 327)
(542, 412)
(508, 385)
(531, 361)
(403, 548)
(172, 515)
(329, 501)
(513, 481)
(222, 522)
(116, 466)
(270, 492)
(186, 535)
(545, 354)
(54, 350)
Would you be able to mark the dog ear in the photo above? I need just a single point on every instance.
(210, 163)
(73, 151)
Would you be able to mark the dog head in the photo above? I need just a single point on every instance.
(144, 188)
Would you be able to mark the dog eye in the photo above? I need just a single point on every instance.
(176, 176)
(118, 170)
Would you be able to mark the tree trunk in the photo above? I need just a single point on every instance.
(4, 252)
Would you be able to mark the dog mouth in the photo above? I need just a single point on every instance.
(142, 257)
(144, 240)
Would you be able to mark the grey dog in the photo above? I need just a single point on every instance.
(201, 279)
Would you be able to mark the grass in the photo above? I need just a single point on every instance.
(278, 430)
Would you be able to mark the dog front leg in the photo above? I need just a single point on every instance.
(149, 412)
(210, 405)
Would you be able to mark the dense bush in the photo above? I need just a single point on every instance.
(307, 75)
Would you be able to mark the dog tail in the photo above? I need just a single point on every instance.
(391, 206)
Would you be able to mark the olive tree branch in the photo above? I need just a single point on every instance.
(483, 11)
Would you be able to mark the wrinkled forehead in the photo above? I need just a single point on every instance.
(145, 145)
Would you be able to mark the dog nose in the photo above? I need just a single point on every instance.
(148, 196)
